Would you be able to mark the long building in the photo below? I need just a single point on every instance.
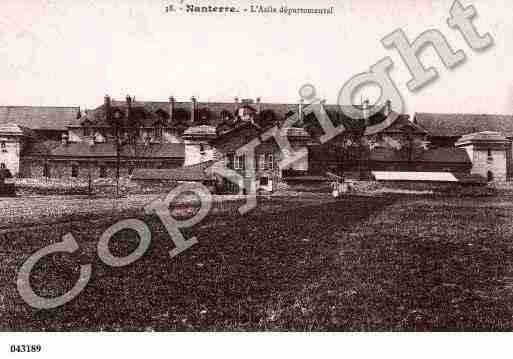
(136, 136)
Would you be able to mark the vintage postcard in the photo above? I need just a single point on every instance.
(241, 166)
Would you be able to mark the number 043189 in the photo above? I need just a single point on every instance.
(25, 348)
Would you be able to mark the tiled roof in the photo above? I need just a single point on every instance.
(39, 118)
(83, 149)
(455, 125)
(149, 109)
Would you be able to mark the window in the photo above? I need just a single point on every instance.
(86, 131)
(270, 161)
(489, 176)
(158, 133)
(202, 149)
(103, 171)
(2, 165)
(490, 157)
(74, 170)
(239, 162)
(230, 160)
(264, 181)
(46, 170)
(130, 170)
(261, 161)
(3, 146)
(266, 161)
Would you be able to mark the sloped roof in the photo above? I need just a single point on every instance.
(149, 109)
(12, 129)
(455, 125)
(485, 136)
(39, 118)
(83, 149)
(433, 155)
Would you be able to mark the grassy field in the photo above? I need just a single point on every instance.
(361, 263)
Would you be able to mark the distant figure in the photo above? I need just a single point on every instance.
(4, 173)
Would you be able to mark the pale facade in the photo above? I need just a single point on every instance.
(488, 152)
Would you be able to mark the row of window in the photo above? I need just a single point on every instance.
(157, 132)
(75, 171)
(238, 162)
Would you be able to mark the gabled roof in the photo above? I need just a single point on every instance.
(83, 149)
(39, 118)
(455, 125)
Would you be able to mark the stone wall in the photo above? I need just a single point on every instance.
(34, 167)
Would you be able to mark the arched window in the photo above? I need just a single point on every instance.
(489, 176)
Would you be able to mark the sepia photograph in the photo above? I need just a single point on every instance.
(298, 166)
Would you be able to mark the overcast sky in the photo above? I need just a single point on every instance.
(73, 52)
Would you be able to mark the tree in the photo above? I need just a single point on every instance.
(266, 118)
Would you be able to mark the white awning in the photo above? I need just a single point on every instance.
(414, 176)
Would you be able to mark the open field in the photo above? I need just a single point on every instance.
(361, 263)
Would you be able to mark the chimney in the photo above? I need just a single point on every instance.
(258, 105)
(365, 112)
(193, 109)
(171, 107)
(106, 102)
(128, 110)
(388, 107)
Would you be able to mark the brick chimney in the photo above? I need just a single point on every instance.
(171, 107)
(193, 109)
